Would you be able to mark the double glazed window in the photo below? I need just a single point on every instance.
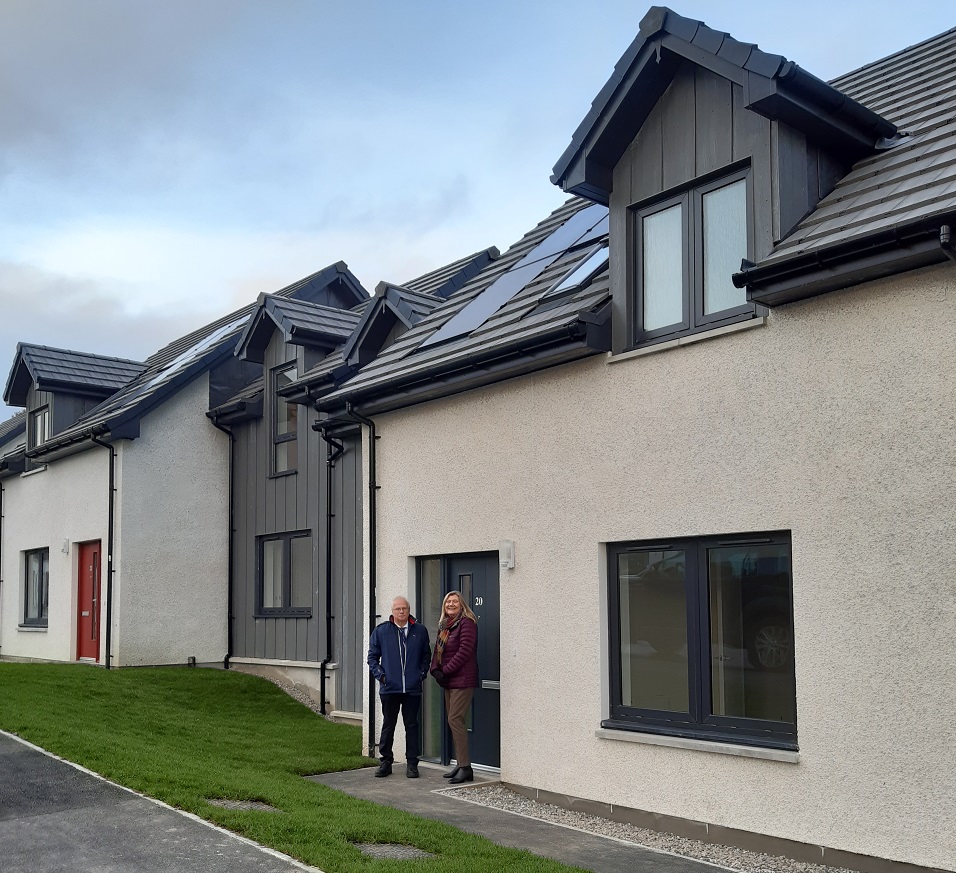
(702, 638)
(285, 574)
(40, 426)
(688, 248)
(36, 597)
(285, 420)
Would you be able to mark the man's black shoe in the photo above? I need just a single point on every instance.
(384, 769)
(411, 771)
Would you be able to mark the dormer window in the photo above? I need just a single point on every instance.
(40, 426)
(285, 420)
(688, 247)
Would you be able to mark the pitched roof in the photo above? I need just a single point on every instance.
(390, 304)
(300, 322)
(446, 280)
(524, 334)
(61, 369)
(13, 427)
(775, 88)
(913, 184)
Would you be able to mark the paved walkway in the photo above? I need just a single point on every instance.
(55, 817)
(567, 845)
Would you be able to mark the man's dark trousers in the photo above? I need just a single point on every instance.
(409, 704)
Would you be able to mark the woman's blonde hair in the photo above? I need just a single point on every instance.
(465, 608)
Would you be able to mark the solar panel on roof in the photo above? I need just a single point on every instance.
(499, 292)
(584, 271)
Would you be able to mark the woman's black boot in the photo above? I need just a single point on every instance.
(464, 774)
(451, 774)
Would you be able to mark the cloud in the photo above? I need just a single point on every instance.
(55, 310)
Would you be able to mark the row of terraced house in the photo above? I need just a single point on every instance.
(687, 447)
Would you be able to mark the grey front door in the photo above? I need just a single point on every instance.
(475, 575)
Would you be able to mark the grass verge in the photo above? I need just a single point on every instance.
(183, 736)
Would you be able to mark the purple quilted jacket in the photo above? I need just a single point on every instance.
(460, 659)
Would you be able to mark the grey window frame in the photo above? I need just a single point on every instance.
(699, 722)
(277, 438)
(35, 414)
(690, 199)
(286, 610)
(43, 619)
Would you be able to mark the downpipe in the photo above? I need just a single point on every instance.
(372, 558)
(232, 538)
(109, 548)
(946, 242)
(334, 450)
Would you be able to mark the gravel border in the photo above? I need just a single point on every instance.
(723, 856)
(296, 693)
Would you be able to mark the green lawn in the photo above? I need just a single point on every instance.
(185, 735)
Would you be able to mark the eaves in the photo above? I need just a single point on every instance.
(847, 263)
(588, 335)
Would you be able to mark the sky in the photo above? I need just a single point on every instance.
(161, 164)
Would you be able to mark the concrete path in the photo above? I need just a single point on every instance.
(55, 817)
(567, 845)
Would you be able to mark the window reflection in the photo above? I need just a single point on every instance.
(653, 613)
(750, 632)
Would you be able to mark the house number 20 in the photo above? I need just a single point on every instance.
(479, 601)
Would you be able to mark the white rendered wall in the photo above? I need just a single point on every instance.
(173, 526)
(835, 421)
(66, 502)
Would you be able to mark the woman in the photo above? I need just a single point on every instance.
(455, 668)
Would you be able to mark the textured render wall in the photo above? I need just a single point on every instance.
(173, 524)
(836, 422)
(66, 501)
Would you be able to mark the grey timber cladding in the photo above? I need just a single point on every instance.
(265, 504)
(517, 324)
(912, 182)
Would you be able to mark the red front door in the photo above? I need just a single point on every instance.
(88, 602)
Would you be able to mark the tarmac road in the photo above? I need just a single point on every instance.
(56, 817)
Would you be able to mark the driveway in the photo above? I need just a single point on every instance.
(55, 817)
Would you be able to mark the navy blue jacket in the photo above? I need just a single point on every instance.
(404, 664)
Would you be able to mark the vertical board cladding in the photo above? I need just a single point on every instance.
(268, 504)
(348, 601)
(699, 127)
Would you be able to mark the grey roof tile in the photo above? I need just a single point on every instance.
(520, 319)
(910, 183)
(66, 369)
(12, 427)
(448, 279)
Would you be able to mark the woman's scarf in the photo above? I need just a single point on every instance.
(445, 627)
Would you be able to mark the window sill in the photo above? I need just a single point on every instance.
(32, 472)
(749, 324)
(282, 474)
(717, 748)
(32, 629)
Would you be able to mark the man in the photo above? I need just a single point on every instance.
(398, 656)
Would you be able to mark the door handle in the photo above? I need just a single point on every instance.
(491, 685)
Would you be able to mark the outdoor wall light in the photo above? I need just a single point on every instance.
(506, 554)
